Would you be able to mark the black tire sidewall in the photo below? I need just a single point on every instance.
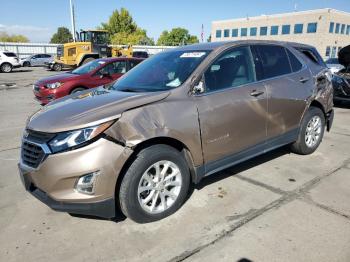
(128, 198)
(57, 67)
(313, 111)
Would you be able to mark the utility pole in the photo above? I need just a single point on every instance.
(72, 17)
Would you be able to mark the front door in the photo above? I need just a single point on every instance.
(232, 110)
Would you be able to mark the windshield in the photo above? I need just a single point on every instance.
(332, 61)
(163, 71)
(88, 67)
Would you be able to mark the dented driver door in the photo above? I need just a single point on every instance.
(232, 110)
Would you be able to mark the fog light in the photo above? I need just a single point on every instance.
(86, 183)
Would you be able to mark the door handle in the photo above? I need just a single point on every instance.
(256, 93)
(304, 79)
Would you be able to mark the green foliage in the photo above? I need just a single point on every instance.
(177, 36)
(123, 29)
(4, 37)
(63, 35)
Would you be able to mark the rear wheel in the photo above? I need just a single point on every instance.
(57, 67)
(311, 132)
(6, 67)
(155, 185)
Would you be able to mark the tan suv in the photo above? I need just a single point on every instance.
(179, 116)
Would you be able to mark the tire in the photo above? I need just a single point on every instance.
(311, 132)
(77, 89)
(6, 68)
(138, 175)
(87, 60)
(26, 64)
(57, 67)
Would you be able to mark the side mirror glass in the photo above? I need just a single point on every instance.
(199, 88)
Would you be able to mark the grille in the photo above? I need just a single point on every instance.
(32, 155)
(38, 137)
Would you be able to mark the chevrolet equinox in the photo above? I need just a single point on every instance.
(176, 118)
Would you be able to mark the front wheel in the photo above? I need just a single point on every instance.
(311, 132)
(155, 185)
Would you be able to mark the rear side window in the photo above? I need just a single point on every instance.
(312, 55)
(294, 62)
(274, 61)
(133, 63)
(10, 54)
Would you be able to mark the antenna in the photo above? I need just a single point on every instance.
(295, 7)
(72, 17)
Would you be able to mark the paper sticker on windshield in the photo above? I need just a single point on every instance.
(192, 54)
(101, 62)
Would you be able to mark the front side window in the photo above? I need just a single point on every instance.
(274, 30)
(285, 29)
(253, 31)
(234, 32)
(311, 27)
(163, 71)
(274, 61)
(331, 27)
(298, 28)
(118, 67)
(244, 32)
(233, 68)
(226, 33)
(263, 30)
(134, 63)
(218, 33)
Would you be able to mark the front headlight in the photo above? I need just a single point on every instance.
(54, 85)
(71, 139)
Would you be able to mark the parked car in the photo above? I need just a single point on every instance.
(8, 61)
(140, 54)
(95, 73)
(179, 116)
(333, 65)
(37, 60)
(341, 79)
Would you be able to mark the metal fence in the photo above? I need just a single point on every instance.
(27, 49)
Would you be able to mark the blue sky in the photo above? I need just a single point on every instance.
(38, 19)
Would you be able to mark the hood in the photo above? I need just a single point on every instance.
(57, 78)
(344, 56)
(88, 108)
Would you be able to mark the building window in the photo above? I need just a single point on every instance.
(263, 30)
(234, 32)
(253, 31)
(285, 29)
(337, 28)
(334, 51)
(342, 30)
(311, 27)
(244, 31)
(218, 33)
(331, 27)
(348, 30)
(298, 28)
(274, 30)
(328, 50)
(226, 33)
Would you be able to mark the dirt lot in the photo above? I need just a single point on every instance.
(277, 207)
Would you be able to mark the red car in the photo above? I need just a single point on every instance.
(95, 73)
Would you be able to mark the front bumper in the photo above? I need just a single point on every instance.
(53, 181)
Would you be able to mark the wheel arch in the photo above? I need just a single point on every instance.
(85, 56)
(75, 87)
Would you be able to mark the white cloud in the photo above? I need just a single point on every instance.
(34, 33)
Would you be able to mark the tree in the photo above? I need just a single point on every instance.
(177, 36)
(4, 37)
(63, 35)
(123, 29)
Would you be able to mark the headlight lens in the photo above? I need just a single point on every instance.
(54, 85)
(67, 140)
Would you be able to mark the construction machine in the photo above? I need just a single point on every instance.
(91, 44)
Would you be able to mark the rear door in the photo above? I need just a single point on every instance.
(232, 110)
(288, 83)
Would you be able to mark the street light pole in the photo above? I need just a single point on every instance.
(72, 19)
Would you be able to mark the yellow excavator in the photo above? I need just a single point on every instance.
(91, 44)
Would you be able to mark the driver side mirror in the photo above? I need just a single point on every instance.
(198, 88)
(105, 74)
